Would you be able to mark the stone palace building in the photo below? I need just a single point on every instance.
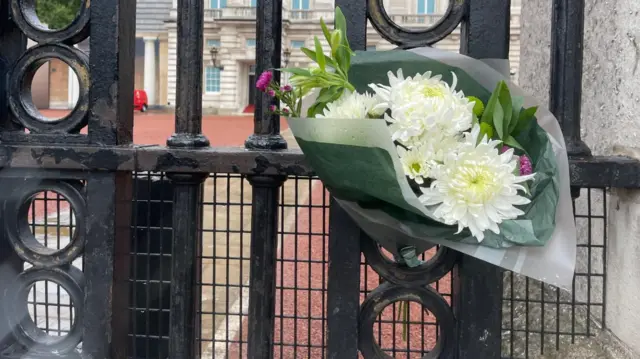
(230, 40)
(230, 29)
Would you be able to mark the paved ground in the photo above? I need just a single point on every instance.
(226, 252)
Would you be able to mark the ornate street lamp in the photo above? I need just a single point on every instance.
(286, 55)
(213, 51)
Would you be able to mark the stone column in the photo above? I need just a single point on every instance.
(150, 68)
(609, 119)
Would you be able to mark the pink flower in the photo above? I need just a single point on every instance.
(526, 168)
(285, 110)
(272, 108)
(271, 93)
(264, 81)
(287, 88)
(504, 149)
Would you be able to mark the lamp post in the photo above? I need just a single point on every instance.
(286, 55)
(213, 52)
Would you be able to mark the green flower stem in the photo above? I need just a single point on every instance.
(403, 315)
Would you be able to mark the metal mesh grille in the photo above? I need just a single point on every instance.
(536, 318)
(52, 222)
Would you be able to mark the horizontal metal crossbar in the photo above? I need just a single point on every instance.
(596, 171)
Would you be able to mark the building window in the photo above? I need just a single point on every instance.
(218, 4)
(297, 44)
(254, 3)
(213, 43)
(371, 48)
(300, 4)
(426, 7)
(251, 42)
(212, 79)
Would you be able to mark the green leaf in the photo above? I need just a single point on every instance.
(313, 56)
(511, 142)
(325, 30)
(487, 116)
(526, 116)
(296, 71)
(335, 42)
(327, 94)
(478, 107)
(486, 129)
(320, 54)
(507, 107)
(498, 120)
(517, 103)
(341, 24)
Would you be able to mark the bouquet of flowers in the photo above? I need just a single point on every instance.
(426, 147)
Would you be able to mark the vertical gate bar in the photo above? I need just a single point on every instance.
(343, 287)
(188, 111)
(111, 63)
(13, 43)
(106, 265)
(565, 93)
(355, 12)
(185, 269)
(477, 287)
(262, 271)
(106, 255)
(187, 191)
(266, 133)
(265, 197)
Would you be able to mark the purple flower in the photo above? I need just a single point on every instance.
(526, 168)
(504, 149)
(271, 93)
(285, 110)
(272, 108)
(264, 81)
(287, 88)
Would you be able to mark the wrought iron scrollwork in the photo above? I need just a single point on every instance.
(405, 38)
(25, 331)
(47, 265)
(24, 15)
(405, 284)
(428, 272)
(23, 240)
(52, 44)
(20, 98)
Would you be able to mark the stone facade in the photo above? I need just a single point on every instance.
(233, 27)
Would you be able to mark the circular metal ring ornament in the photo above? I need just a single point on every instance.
(415, 38)
(20, 97)
(387, 294)
(429, 272)
(24, 15)
(24, 329)
(23, 240)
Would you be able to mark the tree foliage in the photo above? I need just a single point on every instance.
(57, 14)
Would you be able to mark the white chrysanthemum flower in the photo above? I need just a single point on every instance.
(423, 96)
(476, 187)
(351, 105)
(405, 129)
(416, 163)
(420, 157)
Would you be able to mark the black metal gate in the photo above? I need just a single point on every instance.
(88, 157)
